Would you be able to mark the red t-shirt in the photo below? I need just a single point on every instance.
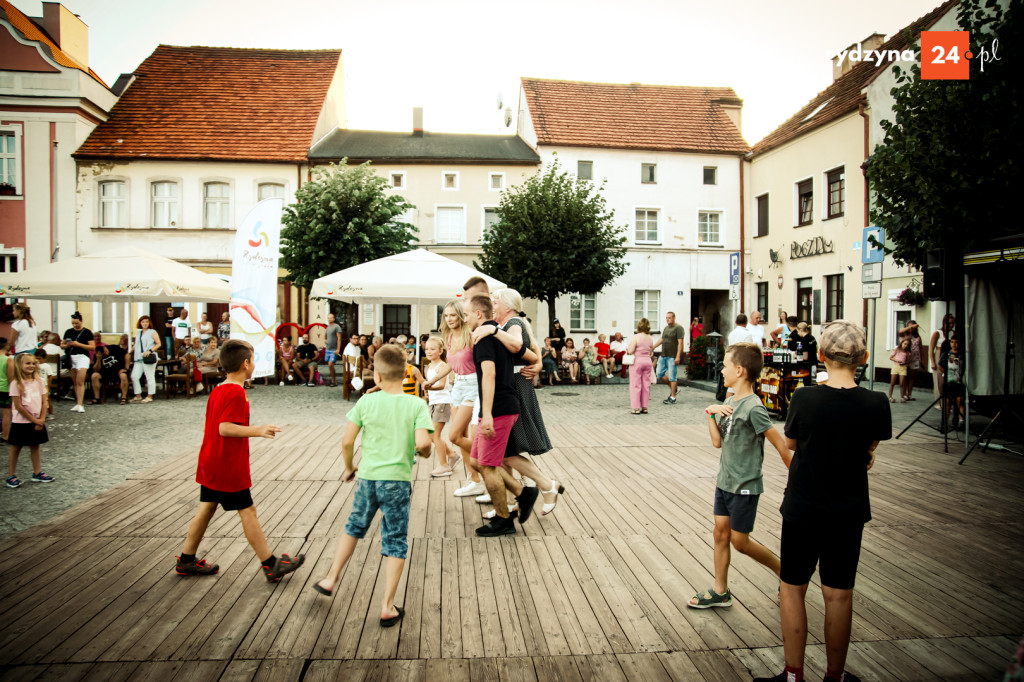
(224, 462)
(602, 349)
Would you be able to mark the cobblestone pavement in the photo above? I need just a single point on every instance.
(92, 452)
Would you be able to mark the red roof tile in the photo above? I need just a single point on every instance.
(218, 103)
(633, 116)
(28, 28)
(847, 92)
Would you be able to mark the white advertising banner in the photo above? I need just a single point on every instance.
(254, 282)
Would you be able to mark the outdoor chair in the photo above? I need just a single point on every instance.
(181, 382)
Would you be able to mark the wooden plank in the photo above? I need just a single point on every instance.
(645, 667)
(719, 666)
(556, 668)
(516, 670)
(599, 668)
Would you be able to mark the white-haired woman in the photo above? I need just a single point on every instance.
(528, 433)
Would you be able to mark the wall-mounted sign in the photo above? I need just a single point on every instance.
(811, 247)
(781, 281)
(869, 252)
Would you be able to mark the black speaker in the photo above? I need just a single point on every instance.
(941, 275)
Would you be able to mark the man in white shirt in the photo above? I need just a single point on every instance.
(352, 351)
(181, 329)
(741, 333)
(617, 348)
(755, 329)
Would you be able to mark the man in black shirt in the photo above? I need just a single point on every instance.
(499, 409)
(305, 360)
(111, 368)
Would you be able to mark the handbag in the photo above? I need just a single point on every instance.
(628, 359)
(146, 359)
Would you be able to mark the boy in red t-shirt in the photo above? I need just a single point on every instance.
(223, 471)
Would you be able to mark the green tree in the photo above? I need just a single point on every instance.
(554, 236)
(949, 169)
(343, 217)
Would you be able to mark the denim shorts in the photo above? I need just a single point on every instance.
(330, 356)
(464, 390)
(392, 498)
(666, 365)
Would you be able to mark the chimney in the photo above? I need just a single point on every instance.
(67, 30)
(733, 108)
(417, 121)
(841, 66)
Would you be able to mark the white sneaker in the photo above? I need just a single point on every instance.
(471, 488)
(291, 378)
(281, 384)
(483, 499)
(78, 408)
(199, 387)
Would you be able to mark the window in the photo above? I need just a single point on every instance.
(708, 228)
(496, 182)
(762, 299)
(581, 312)
(8, 263)
(710, 175)
(438, 319)
(646, 226)
(9, 165)
(165, 204)
(270, 190)
(836, 192)
(113, 204)
(585, 170)
(111, 319)
(762, 216)
(805, 202)
(804, 299)
(450, 225)
(216, 204)
(450, 180)
(646, 304)
(490, 217)
(833, 297)
(647, 173)
(396, 179)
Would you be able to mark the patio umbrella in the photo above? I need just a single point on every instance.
(413, 277)
(121, 274)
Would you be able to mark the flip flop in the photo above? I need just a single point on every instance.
(326, 593)
(388, 622)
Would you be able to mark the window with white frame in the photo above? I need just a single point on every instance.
(270, 190)
(585, 170)
(450, 180)
(646, 226)
(836, 180)
(450, 225)
(396, 179)
(164, 207)
(710, 175)
(9, 263)
(709, 229)
(216, 204)
(646, 303)
(648, 173)
(582, 309)
(490, 217)
(496, 182)
(113, 203)
(804, 202)
(9, 166)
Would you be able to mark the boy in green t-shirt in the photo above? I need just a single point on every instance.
(395, 425)
(745, 425)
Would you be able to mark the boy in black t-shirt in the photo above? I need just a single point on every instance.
(834, 430)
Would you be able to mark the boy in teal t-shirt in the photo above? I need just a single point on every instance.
(395, 426)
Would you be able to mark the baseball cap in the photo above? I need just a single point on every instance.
(844, 342)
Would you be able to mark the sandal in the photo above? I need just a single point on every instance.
(95, 402)
(643, 411)
(123, 401)
(706, 600)
(636, 411)
(556, 489)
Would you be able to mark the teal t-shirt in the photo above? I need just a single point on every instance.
(389, 424)
(743, 446)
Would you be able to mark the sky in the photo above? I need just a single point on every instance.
(455, 57)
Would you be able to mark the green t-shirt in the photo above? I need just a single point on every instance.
(5, 383)
(743, 446)
(389, 424)
(670, 339)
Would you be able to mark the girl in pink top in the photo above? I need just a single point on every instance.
(28, 421)
(640, 347)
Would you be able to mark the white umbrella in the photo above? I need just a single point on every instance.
(122, 274)
(413, 277)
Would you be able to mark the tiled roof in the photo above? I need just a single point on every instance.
(846, 93)
(633, 116)
(218, 103)
(28, 28)
(372, 145)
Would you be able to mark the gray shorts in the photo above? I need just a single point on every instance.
(441, 413)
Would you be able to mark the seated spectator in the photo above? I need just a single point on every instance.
(286, 353)
(304, 366)
(604, 355)
(51, 345)
(570, 360)
(111, 367)
(617, 350)
(547, 358)
(209, 361)
(588, 361)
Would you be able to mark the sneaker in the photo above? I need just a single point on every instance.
(483, 499)
(13, 481)
(284, 565)
(497, 526)
(781, 677)
(847, 677)
(471, 488)
(669, 401)
(196, 567)
(291, 378)
(136, 399)
(442, 471)
(200, 387)
(77, 408)
(526, 500)
(281, 384)
(310, 383)
(42, 478)
(528, 482)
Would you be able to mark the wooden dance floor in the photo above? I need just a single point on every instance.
(596, 591)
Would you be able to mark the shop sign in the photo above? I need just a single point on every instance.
(811, 247)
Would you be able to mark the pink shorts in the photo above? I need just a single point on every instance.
(490, 452)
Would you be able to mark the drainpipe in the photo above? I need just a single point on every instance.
(54, 244)
(864, 172)
(743, 231)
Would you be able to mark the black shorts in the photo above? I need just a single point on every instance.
(835, 550)
(5, 398)
(741, 509)
(230, 501)
(26, 435)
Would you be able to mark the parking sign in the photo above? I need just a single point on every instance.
(869, 253)
(734, 267)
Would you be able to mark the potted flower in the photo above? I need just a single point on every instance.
(7, 189)
(910, 297)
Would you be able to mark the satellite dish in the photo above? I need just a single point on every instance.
(508, 116)
(501, 101)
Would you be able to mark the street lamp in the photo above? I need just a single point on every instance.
(713, 352)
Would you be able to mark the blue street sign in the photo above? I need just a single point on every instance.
(870, 253)
(734, 267)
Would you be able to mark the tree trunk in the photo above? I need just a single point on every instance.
(551, 316)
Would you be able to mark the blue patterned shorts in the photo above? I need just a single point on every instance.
(392, 498)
